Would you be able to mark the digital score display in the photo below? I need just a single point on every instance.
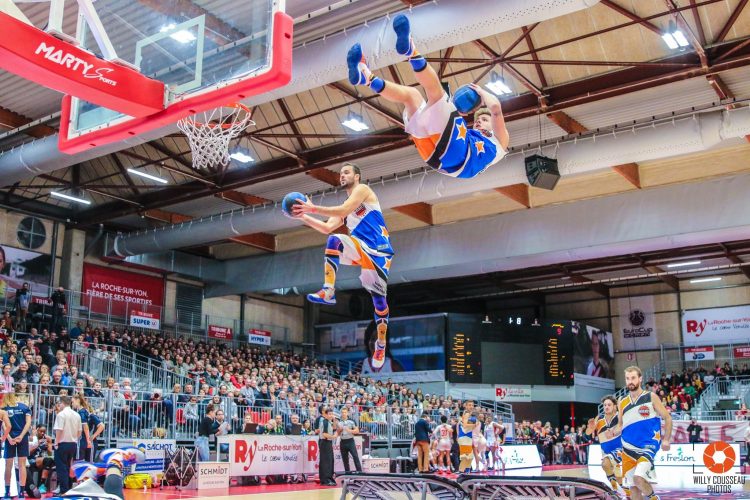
(464, 363)
(558, 355)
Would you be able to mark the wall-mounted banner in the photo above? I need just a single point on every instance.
(742, 352)
(220, 332)
(262, 337)
(513, 393)
(699, 353)
(637, 328)
(124, 289)
(721, 325)
(143, 319)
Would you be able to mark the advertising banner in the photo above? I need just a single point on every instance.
(262, 337)
(720, 430)
(376, 465)
(261, 455)
(716, 326)
(126, 290)
(19, 266)
(154, 452)
(220, 332)
(143, 319)
(637, 324)
(742, 352)
(699, 353)
(678, 455)
(513, 393)
(212, 475)
(521, 456)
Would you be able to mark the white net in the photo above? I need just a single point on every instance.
(210, 135)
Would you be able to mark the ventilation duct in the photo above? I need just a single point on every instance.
(688, 214)
(452, 22)
(688, 135)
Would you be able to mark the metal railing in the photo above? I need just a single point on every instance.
(131, 414)
(734, 390)
(144, 373)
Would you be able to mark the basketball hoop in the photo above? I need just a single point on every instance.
(210, 135)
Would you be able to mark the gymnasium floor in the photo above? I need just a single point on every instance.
(675, 483)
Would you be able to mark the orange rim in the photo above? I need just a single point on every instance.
(224, 126)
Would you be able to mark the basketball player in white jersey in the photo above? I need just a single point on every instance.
(640, 417)
(479, 443)
(368, 245)
(443, 433)
(492, 431)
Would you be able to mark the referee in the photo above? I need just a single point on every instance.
(68, 429)
(325, 443)
(348, 429)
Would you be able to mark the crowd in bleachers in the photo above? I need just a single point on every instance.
(253, 388)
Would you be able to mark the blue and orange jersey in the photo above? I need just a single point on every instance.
(366, 223)
(602, 425)
(464, 152)
(641, 425)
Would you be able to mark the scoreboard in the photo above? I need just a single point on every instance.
(464, 343)
(558, 354)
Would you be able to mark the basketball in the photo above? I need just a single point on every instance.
(466, 100)
(289, 200)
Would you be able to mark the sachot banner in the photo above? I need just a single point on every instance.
(722, 325)
(261, 455)
(262, 337)
(154, 449)
(220, 332)
(126, 290)
(637, 326)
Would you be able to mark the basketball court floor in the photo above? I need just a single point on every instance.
(675, 483)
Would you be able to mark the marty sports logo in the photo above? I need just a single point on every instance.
(719, 460)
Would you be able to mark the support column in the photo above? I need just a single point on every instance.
(71, 266)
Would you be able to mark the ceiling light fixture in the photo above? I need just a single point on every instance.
(147, 176)
(182, 36)
(67, 197)
(354, 122)
(486, 320)
(706, 280)
(682, 264)
(242, 157)
(674, 38)
(497, 85)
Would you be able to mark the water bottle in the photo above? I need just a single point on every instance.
(145, 487)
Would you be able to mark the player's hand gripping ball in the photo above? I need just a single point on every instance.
(289, 201)
(466, 100)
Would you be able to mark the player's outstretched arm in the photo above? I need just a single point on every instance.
(358, 196)
(499, 130)
(666, 439)
(325, 227)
